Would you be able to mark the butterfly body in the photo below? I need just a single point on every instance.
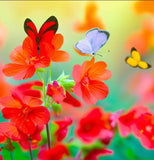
(46, 32)
(135, 60)
(93, 41)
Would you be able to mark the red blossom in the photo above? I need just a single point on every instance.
(88, 81)
(26, 59)
(56, 92)
(56, 153)
(143, 128)
(25, 113)
(91, 125)
(126, 120)
(62, 130)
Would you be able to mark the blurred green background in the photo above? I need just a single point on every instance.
(120, 20)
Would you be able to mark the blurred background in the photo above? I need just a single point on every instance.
(130, 23)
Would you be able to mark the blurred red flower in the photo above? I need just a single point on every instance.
(88, 81)
(91, 125)
(62, 130)
(143, 128)
(142, 39)
(4, 86)
(95, 153)
(24, 112)
(59, 55)
(26, 59)
(126, 120)
(56, 153)
(91, 20)
(28, 89)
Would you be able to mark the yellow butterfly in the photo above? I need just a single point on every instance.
(135, 60)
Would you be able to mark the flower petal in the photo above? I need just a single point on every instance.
(10, 102)
(12, 69)
(98, 89)
(17, 55)
(57, 41)
(60, 56)
(40, 115)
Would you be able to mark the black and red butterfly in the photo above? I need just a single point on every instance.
(45, 33)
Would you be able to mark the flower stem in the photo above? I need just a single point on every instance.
(44, 84)
(39, 76)
(30, 151)
(50, 68)
(11, 154)
(48, 136)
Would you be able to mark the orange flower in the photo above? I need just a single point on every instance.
(144, 7)
(88, 81)
(142, 39)
(26, 59)
(59, 55)
(91, 20)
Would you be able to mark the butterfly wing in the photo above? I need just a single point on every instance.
(97, 38)
(51, 24)
(135, 54)
(84, 47)
(144, 65)
(131, 61)
(48, 29)
(30, 29)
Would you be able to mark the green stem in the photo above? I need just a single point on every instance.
(48, 136)
(11, 154)
(30, 151)
(44, 84)
(39, 76)
(50, 68)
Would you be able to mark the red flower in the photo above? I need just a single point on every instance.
(9, 130)
(95, 153)
(126, 121)
(26, 59)
(27, 89)
(55, 153)
(62, 128)
(91, 125)
(59, 55)
(88, 81)
(56, 92)
(143, 128)
(35, 138)
(25, 113)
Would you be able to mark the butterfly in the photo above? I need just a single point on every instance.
(135, 60)
(45, 33)
(93, 41)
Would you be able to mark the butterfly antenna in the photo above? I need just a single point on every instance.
(99, 55)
